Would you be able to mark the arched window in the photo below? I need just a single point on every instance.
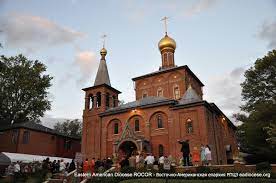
(145, 94)
(170, 58)
(91, 102)
(159, 121)
(159, 92)
(189, 126)
(136, 124)
(116, 128)
(99, 99)
(165, 59)
(107, 100)
(161, 150)
(176, 92)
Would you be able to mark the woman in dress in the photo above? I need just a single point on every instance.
(195, 156)
(202, 155)
(208, 154)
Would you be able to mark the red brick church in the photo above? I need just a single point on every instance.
(168, 107)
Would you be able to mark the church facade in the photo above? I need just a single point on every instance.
(169, 107)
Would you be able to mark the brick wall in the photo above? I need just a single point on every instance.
(39, 143)
(6, 143)
(166, 81)
(208, 128)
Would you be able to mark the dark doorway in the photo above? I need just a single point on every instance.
(127, 148)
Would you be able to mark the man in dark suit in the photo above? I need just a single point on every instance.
(185, 149)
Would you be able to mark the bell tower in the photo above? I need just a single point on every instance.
(167, 46)
(98, 99)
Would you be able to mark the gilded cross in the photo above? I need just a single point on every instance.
(104, 37)
(165, 23)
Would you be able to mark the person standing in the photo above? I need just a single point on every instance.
(10, 169)
(16, 171)
(137, 158)
(202, 155)
(156, 163)
(132, 161)
(62, 167)
(53, 167)
(161, 161)
(185, 149)
(92, 165)
(85, 166)
(109, 162)
(149, 160)
(141, 162)
(195, 156)
(208, 154)
(124, 162)
(72, 166)
(58, 166)
(98, 164)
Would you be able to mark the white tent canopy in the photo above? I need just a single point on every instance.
(7, 158)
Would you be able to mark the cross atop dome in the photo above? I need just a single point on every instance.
(103, 50)
(102, 76)
(167, 46)
(103, 37)
(165, 23)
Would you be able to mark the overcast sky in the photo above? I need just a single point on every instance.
(217, 39)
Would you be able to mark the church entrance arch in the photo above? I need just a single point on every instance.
(126, 148)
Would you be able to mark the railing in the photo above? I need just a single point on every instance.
(107, 171)
(69, 177)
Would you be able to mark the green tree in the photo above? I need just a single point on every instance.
(259, 110)
(23, 89)
(69, 127)
(271, 130)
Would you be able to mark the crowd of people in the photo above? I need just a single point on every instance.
(196, 157)
(19, 169)
(140, 160)
(202, 156)
(58, 166)
(96, 165)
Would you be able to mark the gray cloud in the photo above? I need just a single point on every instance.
(81, 70)
(87, 64)
(268, 33)
(33, 32)
(225, 91)
(200, 6)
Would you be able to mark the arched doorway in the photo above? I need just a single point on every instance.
(127, 148)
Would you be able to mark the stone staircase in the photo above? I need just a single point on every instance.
(61, 178)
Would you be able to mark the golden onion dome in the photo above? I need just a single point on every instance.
(103, 51)
(167, 43)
